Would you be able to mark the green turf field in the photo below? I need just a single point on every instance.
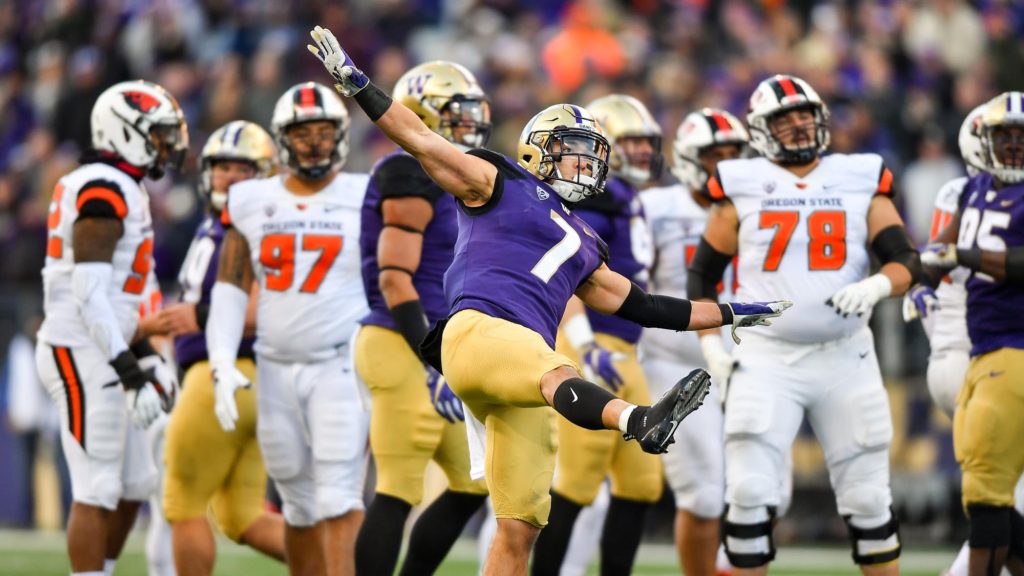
(42, 554)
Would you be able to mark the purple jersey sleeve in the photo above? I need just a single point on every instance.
(523, 254)
(198, 274)
(992, 220)
(438, 238)
(612, 216)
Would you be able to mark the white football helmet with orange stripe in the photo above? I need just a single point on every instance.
(778, 94)
(309, 102)
(969, 140)
(624, 117)
(141, 123)
(1003, 159)
(565, 130)
(699, 131)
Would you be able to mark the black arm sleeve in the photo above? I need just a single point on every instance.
(705, 272)
(402, 176)
(411, 321)
(374, 101)
(893, 245)
(655, 311)
(1015, 266)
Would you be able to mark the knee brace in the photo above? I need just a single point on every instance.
(990, 526)
(876, 545)
(747, 535)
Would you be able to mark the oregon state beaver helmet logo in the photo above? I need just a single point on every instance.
(141, 101)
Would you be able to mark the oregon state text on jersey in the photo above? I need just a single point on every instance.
(305, 254)
(947, 326)
(677, 223)
(803, 238)
(133, 254)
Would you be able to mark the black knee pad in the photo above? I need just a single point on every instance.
(732, 532)
(582, 402)
(990, 526)
(876, 545)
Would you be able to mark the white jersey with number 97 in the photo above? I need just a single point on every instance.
(802, 239)
(305, 253)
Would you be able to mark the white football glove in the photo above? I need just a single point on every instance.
(720, 362)
(164, 376)
(349, 79)
(939, 257)
(145, 404)
(226, 380)
(860, 297)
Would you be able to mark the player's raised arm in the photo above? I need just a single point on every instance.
(466, 177)
(612, 293)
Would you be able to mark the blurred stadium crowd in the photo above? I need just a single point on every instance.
(898, 75)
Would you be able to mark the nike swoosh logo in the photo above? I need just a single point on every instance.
(864, 354)
(574, 396)
(994, 373)
(111, 384)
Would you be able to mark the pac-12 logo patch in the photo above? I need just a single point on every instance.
(141, 101)
(542, 194)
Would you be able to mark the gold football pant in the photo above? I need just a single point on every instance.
(495, 366)
(208, 467)
(405, 430)
(586, 457)
(988, 428)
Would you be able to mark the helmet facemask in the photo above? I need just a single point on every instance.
(1004, 148)
(169, 145)
(465, 122)
(626, 165)
(788, 154)
(588, 148)
(314, 138)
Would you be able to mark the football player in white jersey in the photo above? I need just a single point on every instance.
(677, 215)
(298, 234)
(801, 224)
(98, 261)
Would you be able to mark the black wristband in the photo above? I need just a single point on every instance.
(374, 101)
(127, 367)
(143, 348)
(727, 315)
(202, 314)
(970, 259)
(411, 322)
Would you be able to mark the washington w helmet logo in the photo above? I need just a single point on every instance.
(141, 101)
(418, 83)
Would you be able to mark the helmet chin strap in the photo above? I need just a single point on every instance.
(569, 190)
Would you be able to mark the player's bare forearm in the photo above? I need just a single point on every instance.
(705, 317)
(96, 238)
(466, 177)
(900, 277)
(234, 266)
(993, 264)
(250, 311)
(722, 231)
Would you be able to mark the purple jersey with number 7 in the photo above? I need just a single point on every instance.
(992, 220)
(523, 254)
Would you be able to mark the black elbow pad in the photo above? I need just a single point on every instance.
(893, 245)
(705, 272)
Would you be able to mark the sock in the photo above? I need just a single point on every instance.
(633, 421)
(549, 552)
(621, 538)
(582, 403)
(437, 529)
(380, 538)
(624, 419)
(108, 566)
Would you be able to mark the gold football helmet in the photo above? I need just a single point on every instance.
(565, 130)
(240, 141)
(447, 97)
(1001, 149)
(623, 117)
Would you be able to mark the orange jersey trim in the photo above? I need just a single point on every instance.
(105, 195)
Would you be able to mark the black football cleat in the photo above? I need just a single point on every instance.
(655, 427)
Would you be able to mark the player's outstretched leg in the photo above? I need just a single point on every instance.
(654, 426)
(590, 406)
